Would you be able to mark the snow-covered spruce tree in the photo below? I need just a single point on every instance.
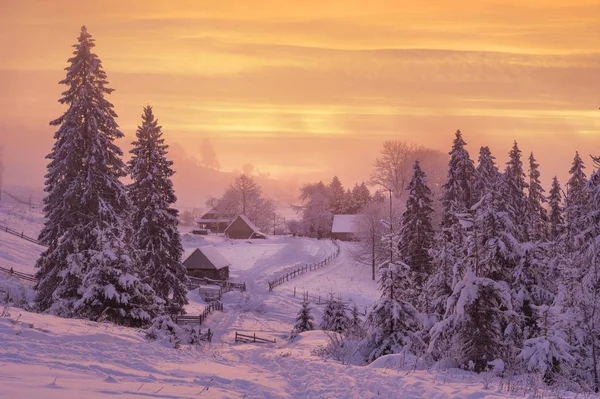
(393, 325)
(514, 189)
(304, 320)
(154, 220)
(548, 353)
(458, 189)
(111, 289)
(438, 286)
(486, 172)
(448, 252)
(356, 324)
(416, 232)
(533, 285)
(577, 204)
(589, 306)
(478, 311)
(86, 202)
(335, 317)
(471, 332)
(555, 214)
(538, 218)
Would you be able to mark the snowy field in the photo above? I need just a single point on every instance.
(44, 356)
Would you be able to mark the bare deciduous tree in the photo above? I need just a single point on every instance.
(393, 167)
(370, 249)
(245, 197)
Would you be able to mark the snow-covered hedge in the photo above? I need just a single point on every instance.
(165, 331)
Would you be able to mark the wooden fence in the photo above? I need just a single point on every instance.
(8, 230)
(305, 269)
(18, 199)
(195, 282)
(252, 338)
(201, 317)
(19, 275)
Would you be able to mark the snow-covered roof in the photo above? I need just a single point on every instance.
(248, 222)
(214, 256)
(219, 220)
(211, 253)
(343, 224)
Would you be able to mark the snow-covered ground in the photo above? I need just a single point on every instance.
(44, 356)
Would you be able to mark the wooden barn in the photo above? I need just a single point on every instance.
(243, 228)
(344, 227)
(213, 221)
(207, 262)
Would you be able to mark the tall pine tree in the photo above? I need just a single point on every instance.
(576, 202)
(154, 220)
(555, 216)
(458, 189)
(514, 189)
(487, 172)
(416, 231)
(538, 217)
(86, 206)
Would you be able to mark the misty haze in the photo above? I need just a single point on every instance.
(260, 199)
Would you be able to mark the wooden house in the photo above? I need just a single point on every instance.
(243, 228)
(343, 227)
(207, 262)
(213, 221)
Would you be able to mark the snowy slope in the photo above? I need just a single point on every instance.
(44, 356)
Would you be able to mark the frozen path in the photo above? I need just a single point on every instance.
(257, 310)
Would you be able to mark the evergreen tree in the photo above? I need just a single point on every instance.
(473, 326)
(154, 220)
(393, 324)
(448, 252)
(304, 320)
(486, 173)
(556, 220)
(438, 287)
(361, 197)
(355, 321)
(538, 218)
(516, 202)
(548, 353)
(416, 231)
(458, 194)
(492, 248)
(111, 290)
(576, 202)
(334, 316)
(337, 196)
(86, 201)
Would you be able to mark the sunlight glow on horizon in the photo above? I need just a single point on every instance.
(256, 77)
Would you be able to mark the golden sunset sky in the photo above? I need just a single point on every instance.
(312, 88)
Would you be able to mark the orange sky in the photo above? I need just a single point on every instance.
(312, 88)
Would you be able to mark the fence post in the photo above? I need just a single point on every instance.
(294, 292)
(254, 337)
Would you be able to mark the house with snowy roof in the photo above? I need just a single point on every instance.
(214, 221)
(243, 228)
(344, 227)
(206, 262)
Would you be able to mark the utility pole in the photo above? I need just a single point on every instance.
(391, 230)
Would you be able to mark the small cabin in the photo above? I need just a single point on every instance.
(343, 227)
(243, 228)
(207, 262)
(213, 221)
